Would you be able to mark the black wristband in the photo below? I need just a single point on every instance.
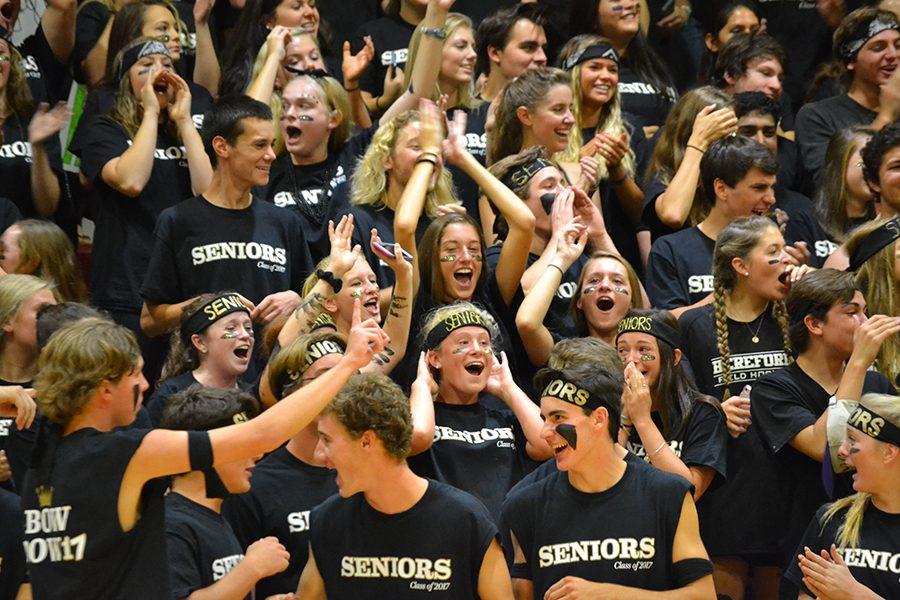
(329, 278)
(200, 450)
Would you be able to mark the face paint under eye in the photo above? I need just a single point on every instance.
(304, 118)
(357, 293)
(647, 358)
(621, 290)
(589, 290)
(568, 433)
(774, 261)
(448, 258)
(230, 335)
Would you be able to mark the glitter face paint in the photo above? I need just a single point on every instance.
(231, 335)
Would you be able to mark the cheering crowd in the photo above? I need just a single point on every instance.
(563, 300)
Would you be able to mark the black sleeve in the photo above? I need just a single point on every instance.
(9, 213)
(649, 217)
(301, 260)
(53, 72)
(244, 515)
(778, 412)
(515, 516)
(89, 25)
(816, 538)
(705, 439)
(162, 283)
(105, 140)
(664, 286)
(813, 135)
(185, 576)
(12, 555)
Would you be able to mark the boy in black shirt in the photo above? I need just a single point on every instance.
(576, 533)
(390, 533)
(225, 239)
(866, 42)
(204, 555)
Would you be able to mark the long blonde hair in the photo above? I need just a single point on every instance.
(881, 288)
(50, 246)
(15, 291)
(466, 92)
(370, 180)
(610, 120)
(737, 240)
(856, 505)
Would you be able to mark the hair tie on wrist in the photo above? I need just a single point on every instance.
(696, 148)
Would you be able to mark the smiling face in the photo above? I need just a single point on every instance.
(752, 195)
(599, 78)
(524, 50)
(359, 282)
(461, 257)
(344, 454)
(302, 53)
(605, 295)
(140, 71)
(406, 152)
(548, 180)
(619, 19)
(158, 22)
(877, 59)
(642, 349)
(297, 13)
(588, 429)
(888, 186)
(306, 119)
(250, 157)
(458, 58)
(227, 344)
(767, 267)
(551, 120)
(763, 74)
(464, 360)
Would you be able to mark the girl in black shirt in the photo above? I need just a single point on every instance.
(90, 384)
(480, 446)
(667, 422)
(213, 352)
(41, 248)
(29, 156)
(740, 337)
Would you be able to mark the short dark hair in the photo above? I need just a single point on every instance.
(226, 118)
(201, 408)
(746, 103)
(814, 295)
(51, 317)
(740, 50)
(730, 159)
(569, 352)
(884, 140)
(372, 402)
(495, 30)
(605, 384)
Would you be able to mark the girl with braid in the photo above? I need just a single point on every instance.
(741, 336)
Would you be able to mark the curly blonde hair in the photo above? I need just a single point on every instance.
(369, 182)
(76, 360)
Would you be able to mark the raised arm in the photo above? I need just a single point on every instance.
(514, 254)
(199, 165)
(673, 206)
(535, 336)
(58, 23)
(262, 87)
(44, 124)
(502, 385)
(421, 404)
(206, 66)
(399, 317)
(353, 66)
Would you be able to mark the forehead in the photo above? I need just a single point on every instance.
(524, 30)
(546, 174)
(155, 13)
(459, 233)
(757, 119)
(742, 16)
(889, 35)
(360, 268)
(890, 156)
(465, 333)
(302, 87)
(557, 94)
(756, 175)
(550, 405)
(636, 338)
(857, 299)
(253, 128)
(597, 63)
(765, 62)
(329, 425)
(408, 132)
(322, 365)
(461, 32)
(605, 266)
(234, 318)
(771, 237)
(301, 44)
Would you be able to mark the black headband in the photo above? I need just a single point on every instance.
(288, 380)
(463, 318)
(559, 387)
(647, 324)
(601, 50)
(314, 73)
(886, 233)
(874, 425)
(518, 177)
(136, 53)
(209, 313)
(861, 34)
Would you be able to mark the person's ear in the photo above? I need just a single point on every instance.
(891, 454)
(729, 78)
(721, 189)
(198, 343)
(367, 440)
(676, 358)
(813, 325)
(599, 419)
(330, 305)
(434, 361)
(220, 147)
(738, 264)
(388, 163)
(337, 117)
(712, 42)
(524, 116)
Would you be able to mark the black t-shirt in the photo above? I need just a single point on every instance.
(783, 404)
(679, 269)
(599, 537)
(700, 443)
(648, 104)
(157, 402)
(476, 143)
(745, 515)
(12, 557)
(123, 236)
(46, 76)
(15, 163)
(390, 36)
(74, 544)
(9, 213)
(558, 320)
(874, 562)
(201, 545)
(200, 247)
(435, 548)
(476, 448)
(283, 491)
(803, 226)
(818, 121)
(317, 192)
(649, 219)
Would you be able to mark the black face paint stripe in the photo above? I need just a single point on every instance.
(568, 433)
(137, 394)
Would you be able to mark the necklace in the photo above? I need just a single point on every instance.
(762, 319)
